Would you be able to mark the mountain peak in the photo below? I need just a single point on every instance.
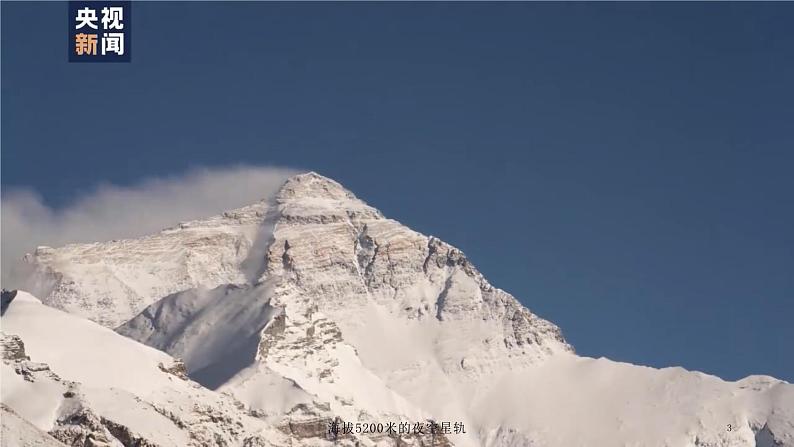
(313, 185)
(314, 307)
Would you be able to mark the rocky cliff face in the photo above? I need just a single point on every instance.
(333, 280)
(13, 347)
(312, 307)
(317, 244)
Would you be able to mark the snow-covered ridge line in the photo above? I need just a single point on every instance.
(311, 305)
(83, 383)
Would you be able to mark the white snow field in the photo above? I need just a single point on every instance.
(17, 432)
(85, 381)
(310, 306)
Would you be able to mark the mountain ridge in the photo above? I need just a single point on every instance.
(313, 303)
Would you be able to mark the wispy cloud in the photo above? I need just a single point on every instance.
(114, 212)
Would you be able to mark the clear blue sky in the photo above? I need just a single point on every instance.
(625, 169)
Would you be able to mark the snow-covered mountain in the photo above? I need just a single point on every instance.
(311, 305)
(85, 384)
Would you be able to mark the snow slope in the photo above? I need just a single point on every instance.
(100, 388)
(312, 305)
(117, 385)
(17, 432)
(110, 282)
(601, 402)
